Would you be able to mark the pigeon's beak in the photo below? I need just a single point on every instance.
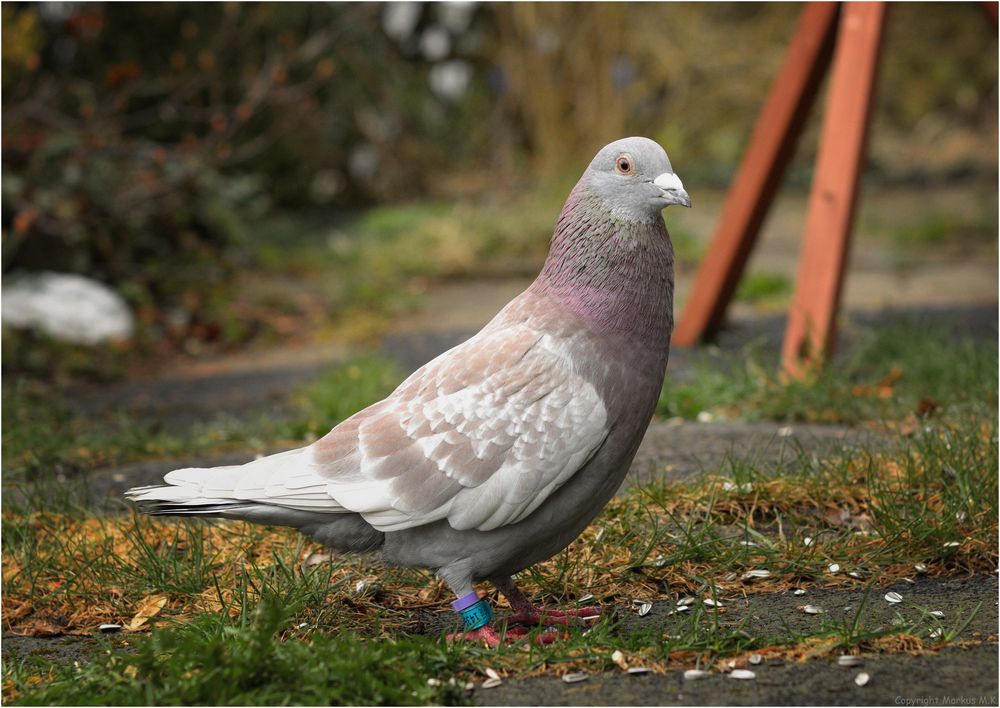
(673, 189)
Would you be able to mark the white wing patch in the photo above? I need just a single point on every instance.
(481, 436)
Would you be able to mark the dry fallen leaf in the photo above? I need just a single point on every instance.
(148, 608)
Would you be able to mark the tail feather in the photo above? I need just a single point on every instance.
(278, 486)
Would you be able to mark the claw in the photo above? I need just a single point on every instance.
(488, 636)
(561, 617)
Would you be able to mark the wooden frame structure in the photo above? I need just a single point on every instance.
(848, 36)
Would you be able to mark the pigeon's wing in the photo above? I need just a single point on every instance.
(480, 436)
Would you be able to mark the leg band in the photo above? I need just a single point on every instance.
(475, 612)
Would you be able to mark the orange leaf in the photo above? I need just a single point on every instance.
(148, 608)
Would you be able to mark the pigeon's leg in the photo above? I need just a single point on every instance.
(526, 613)
(477, 615)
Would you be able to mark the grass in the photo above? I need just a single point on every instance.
(891, 373)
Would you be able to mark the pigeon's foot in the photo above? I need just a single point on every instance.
(490, 638)
(535, 616)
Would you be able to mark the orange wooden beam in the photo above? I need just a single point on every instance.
(812, 318)
(771, 147)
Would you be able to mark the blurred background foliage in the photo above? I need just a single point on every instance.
(169, 149)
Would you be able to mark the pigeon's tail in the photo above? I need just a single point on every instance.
(281, 489)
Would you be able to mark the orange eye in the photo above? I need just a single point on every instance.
(623, 165)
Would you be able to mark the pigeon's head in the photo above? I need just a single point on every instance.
(634, 179)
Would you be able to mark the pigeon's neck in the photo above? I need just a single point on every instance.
(616, 274)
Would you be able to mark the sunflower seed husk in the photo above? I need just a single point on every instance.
(638, 670)
(754, 574)
(921, 568)
(799, 591)
(619, 660)
(748, 544)
(937, 613)
(807, 541)
(686, 601)
(660, 561)
(109, 628)
(492, 683)
(682, 608)
(855, 574)
(755, 659)
(911, 581)
(893, 597)
(695, 674)
(492, 673)
(953, 544)
(742, 674)
(575, 678)
(599, 535)
(811, 609)
(711, 603)
(586, 598)
(315, 559)
(849, 660)
(367, 588)
(936, 633)
(433, 682)
(645, 609)
(834, 567)
(862, 678)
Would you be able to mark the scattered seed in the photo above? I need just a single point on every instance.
(811, 609)
(492, 673)
(599, 535)
(470, 686)
(695, 674)
(109, 628)
(785, 431)
(575, 678)
(302, 625)
(705, 417)
(936, 633)
(921, 568)
(755, 659)
(645, 609)
(492, 683)
(619, 660)
(586, 598)
(433, 682)
(893, 598)
(747, 544)
(953, 544)
(660, 561)
(834, 568)
(937, 613)
(849, 660)
(742, 674)
(807, 541)
(682, 608)
(638, 670)
(367, 588)
(754, 574)
(711, 603)
(315, 559)
(686, 601)
(799, 591)
(862, 678)
(591, 618)
(855, 574)
(730, 577)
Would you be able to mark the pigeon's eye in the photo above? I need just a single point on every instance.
(623, 165)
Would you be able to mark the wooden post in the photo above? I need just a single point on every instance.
(812, 318)
(771, 147)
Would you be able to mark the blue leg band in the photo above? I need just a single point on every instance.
(475, 612)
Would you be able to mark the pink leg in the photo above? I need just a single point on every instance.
(488, 636)
(526, 613)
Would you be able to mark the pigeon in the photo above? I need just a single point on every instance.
(498, 453)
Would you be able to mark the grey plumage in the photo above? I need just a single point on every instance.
(498, 453)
